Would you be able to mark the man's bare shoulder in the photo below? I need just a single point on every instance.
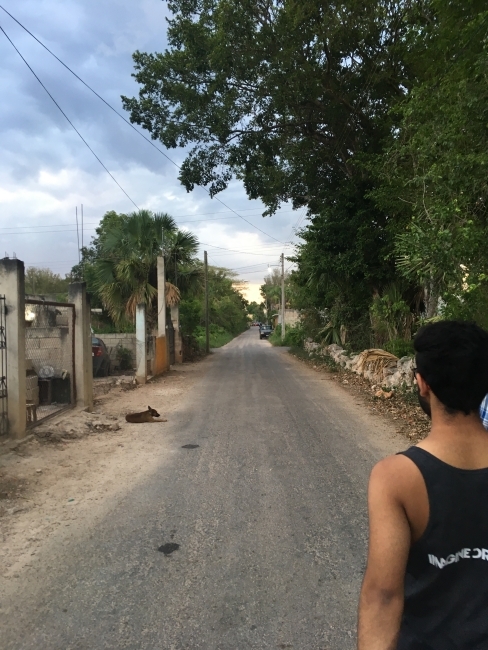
(394, 474)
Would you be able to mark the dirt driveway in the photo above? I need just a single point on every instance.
(58, 483)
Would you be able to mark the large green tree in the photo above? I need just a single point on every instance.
(283, 94)
(433, 175)
(372, 115)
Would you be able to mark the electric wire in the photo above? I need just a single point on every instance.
(66, 117)
(126, 121)
(97, 223)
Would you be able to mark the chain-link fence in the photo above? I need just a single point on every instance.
(49, 347)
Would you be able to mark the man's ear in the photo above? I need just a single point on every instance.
(424, 388)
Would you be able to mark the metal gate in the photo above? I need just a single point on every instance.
(3, 369)
(50, 358)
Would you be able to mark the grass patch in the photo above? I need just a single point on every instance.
(218, 336)
(275, 338)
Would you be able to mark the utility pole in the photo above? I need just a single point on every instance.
(162, 293)
(207, 332)
(82, 258)
(282, 296)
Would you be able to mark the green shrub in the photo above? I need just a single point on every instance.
(400, 348)
(191, 314)
(124, 358)
(294, 336)
(218, 336)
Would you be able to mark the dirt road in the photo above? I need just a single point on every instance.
(254, 538)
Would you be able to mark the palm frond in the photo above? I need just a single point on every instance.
(173, 296)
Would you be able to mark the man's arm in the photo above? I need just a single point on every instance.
(381, 601)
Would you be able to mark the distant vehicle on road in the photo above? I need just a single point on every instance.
(100, 358)
(265, 331)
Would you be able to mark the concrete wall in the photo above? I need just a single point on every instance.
(49, 346)
(47, 339)
(122, 340)
(292, 316)
(129, 341)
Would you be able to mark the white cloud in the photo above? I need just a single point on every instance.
(45, 169)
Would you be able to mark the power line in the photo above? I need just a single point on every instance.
(231, 250)
(67, 118)
(97, 223)
(251, 266)
(123, 118)
(30, 230)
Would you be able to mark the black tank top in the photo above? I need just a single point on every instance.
(446, 582)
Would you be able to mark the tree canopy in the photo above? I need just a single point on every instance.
(44, 282)
(371, 115)
(281, 94)
(120, 268)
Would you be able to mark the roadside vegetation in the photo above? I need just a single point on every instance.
(43, 282)
(120, 269)
(370, 116)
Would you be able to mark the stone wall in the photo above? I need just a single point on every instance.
(378, 366)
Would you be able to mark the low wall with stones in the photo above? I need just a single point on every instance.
(378, 366)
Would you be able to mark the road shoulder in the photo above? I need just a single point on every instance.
(53, 491)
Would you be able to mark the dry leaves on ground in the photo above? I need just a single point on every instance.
(401, 406)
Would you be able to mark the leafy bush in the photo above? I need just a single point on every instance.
(191, 313)
(400, 348)
(218, 336)
(470, 305)
(124, 358)
(294, 336)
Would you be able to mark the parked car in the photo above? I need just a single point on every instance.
(100, 358)
(265, 331)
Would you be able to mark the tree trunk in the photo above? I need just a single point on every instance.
(431, 299)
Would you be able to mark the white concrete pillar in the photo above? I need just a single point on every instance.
(161, 361)
(141, 355)
(13, 287)
(83, 346)
(175, 318)
(161, 298)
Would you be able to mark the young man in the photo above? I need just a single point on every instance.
(426, 581)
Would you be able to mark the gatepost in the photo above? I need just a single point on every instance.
(141, 344)
(161, 362)
(83, 347)
(12, 284)
(175, 317)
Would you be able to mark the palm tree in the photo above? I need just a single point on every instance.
(182, 267)
(126, 272)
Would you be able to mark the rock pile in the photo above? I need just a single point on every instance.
(378, 366)
(76, 424)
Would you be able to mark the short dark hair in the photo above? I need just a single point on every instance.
(452, 357)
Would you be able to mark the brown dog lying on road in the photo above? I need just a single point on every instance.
(145, 416)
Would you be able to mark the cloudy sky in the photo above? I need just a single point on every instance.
(46, 170)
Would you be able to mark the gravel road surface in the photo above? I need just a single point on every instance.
(268, 511)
